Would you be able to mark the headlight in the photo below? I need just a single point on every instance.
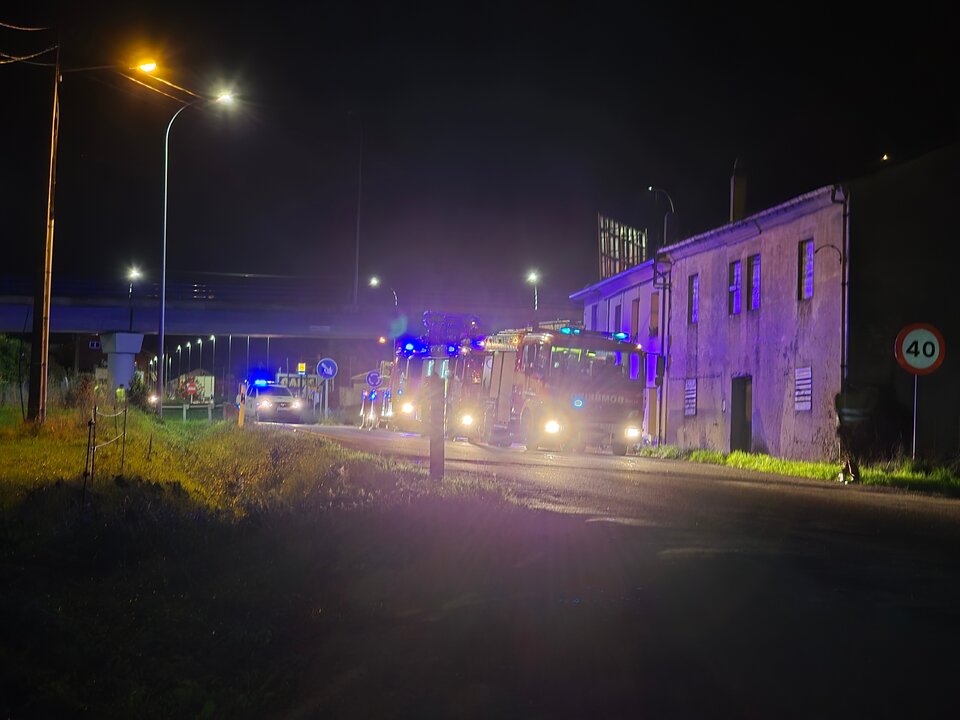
(153, 399)
(552, 427)
(407, 408)
(264, 404)
(296, 404)
(632, 432)
(466, 420)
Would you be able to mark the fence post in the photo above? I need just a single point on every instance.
(123, 440)
(93, 456)
(86, 464)
(184, 412)
(210, 413)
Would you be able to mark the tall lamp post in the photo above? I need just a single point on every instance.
(189, 357)
(533, 277)
(200, 353)
(375, 282)
(213, 361)
(133, 274)
(664, 283)
(223, 99)
(179, 360)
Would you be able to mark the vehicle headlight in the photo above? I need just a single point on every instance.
(552, 427)
(466, 420)
(153, 399)
(407, 408)
(632, 432)
(264, 404)
(296, 404)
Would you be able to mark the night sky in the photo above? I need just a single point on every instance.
(492, 133)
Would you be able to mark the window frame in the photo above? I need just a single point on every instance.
(693, 298)
(754, 282)
(805, 269)
(735, 287)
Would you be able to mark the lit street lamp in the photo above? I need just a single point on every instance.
(213, 360)
(533, 277)
(132, 274)
(223, 99)
(375, 282)
(200, 352)
(189, 358)
(179, 360)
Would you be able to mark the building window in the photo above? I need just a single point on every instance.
(594, 320)
(805, 270)
(753, 282)
(693, 299)
(654, 314)
(690, 397)
(635, 318)
(735, 279)
(803, 389)
(617, 318)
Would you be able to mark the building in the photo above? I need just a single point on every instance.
(782, 323)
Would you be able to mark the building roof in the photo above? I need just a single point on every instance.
(747, 227)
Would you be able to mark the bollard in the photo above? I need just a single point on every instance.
(437, 405)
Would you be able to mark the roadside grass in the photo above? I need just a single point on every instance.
(178, 588)
(900, 473)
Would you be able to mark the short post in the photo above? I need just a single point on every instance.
(184, 412)
(123, 440)
(210, 412)
(437, 406)
(326, 398)
(913, 452)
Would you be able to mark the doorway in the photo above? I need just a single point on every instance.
(741, 414)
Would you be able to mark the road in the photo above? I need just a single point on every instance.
(755, 595)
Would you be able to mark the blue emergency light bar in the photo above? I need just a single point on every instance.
(260, 382)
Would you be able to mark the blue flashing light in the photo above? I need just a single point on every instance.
(578, 402)
(452, 349)
(566, 331)
(621, 335)
(373, 395)
(408, 346)
(260, 382)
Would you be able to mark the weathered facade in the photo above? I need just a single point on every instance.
(755, 332)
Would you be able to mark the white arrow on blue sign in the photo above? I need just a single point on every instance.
(327, 369)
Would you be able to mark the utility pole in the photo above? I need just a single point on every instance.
(356, 265)
(40, 348)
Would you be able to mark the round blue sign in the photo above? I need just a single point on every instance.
(327, 369)
(374, 379)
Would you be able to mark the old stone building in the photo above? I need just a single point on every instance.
(779, 326)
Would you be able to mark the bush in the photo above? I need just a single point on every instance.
(139, 392)
(82, 393)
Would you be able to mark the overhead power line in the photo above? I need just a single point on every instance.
(10, 26)
(7, 59)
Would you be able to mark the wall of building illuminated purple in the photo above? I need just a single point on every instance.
(787, 345)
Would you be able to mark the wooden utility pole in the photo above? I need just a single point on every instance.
(40, 348)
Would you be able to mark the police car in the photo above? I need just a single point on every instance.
(275, 403)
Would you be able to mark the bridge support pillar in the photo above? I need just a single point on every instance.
(121, 349)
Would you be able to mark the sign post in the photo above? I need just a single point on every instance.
(920, 350)
(327, 370)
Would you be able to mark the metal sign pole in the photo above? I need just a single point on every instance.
(913, 454)
(437, 404)
(326, 398)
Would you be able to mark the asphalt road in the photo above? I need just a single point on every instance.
(773, 597)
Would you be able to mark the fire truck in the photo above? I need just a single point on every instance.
(561, 387)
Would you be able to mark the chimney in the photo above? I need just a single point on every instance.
(738, 193)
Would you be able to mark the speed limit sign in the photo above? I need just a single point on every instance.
(920, 348)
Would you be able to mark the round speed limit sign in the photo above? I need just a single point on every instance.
(919, 348)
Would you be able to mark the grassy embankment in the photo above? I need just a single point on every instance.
(903, 473)
(178, 589)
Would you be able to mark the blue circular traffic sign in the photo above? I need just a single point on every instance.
(374, 379)
(327, 369)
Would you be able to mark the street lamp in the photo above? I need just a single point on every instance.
(375, 282)
(223, 98)
(657, 192)
(179, 360)
(213, 360)
(189, 358)
(200, 352)
(533, 277)
(132, 274)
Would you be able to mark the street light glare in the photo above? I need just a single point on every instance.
(533, 277)
(147, 67)
(374, 281)
(224, 98)
(133, 273)
(212, 337)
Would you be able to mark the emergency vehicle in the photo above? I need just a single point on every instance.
(562, 387)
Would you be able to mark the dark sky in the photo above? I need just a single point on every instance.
(492, 133)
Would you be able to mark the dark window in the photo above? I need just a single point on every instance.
(654, 314)
(617, 318)
(593, 316)
(753, 282)
(693, 299)
(735, 279)
(805, 270)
